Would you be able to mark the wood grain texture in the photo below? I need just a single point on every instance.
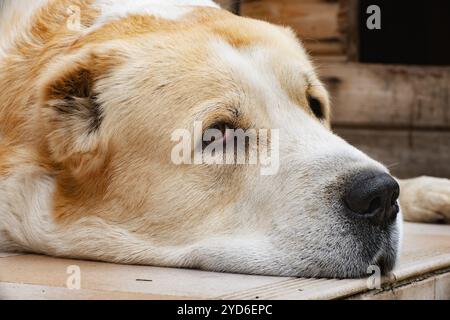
(151, 282)
(388, 96)
(348, 22)
(19, 291)
(315, 21)
(407, 153)
(432, 288)
(399, 115)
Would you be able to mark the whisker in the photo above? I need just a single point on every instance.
(392, 165)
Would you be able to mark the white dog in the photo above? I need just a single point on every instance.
(91, 93)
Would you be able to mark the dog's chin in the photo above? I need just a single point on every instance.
(382, 264)
(372, 254)
(346, 250)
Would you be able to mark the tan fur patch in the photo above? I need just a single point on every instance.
(104, 180)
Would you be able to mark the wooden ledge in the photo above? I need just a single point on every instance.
(423, 272)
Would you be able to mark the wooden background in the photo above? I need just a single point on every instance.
(398, 114)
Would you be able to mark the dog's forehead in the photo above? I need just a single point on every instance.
(264, 64)
(272, 78)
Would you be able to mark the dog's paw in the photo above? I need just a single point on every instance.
(425, 199)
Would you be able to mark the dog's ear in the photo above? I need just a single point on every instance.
(73, 115)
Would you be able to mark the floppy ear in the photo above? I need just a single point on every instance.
(73, 117)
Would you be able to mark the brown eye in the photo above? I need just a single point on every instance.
(316, 106)
(222, 126)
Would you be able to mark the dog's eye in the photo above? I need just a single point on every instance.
(316, 106)
(221, 126)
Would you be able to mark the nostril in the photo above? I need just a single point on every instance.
(373, 196)
(375, 204)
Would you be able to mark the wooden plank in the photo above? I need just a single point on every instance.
(442, 289)
(18, 291)
(144, 280)
(387, 95)
(312, 20)
(425, 252)
(416, 290)
(348, 22)
(315, 21)
(407, 153)
(325, 48)
(434, 286)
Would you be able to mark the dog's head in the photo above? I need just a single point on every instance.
(114, 112)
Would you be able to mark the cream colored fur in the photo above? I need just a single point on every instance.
(110, 192)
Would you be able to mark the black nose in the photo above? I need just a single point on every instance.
(373, 195)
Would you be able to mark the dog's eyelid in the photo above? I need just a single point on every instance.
(221, 125)
(222, 115)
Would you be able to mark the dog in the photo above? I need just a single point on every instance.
(91, 94)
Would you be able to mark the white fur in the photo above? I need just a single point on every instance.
(168, 9)
(25, 199)
(251, 240)
(14, 20)
(15, 14)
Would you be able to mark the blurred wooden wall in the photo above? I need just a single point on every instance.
(315, 21)
(398, 114)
